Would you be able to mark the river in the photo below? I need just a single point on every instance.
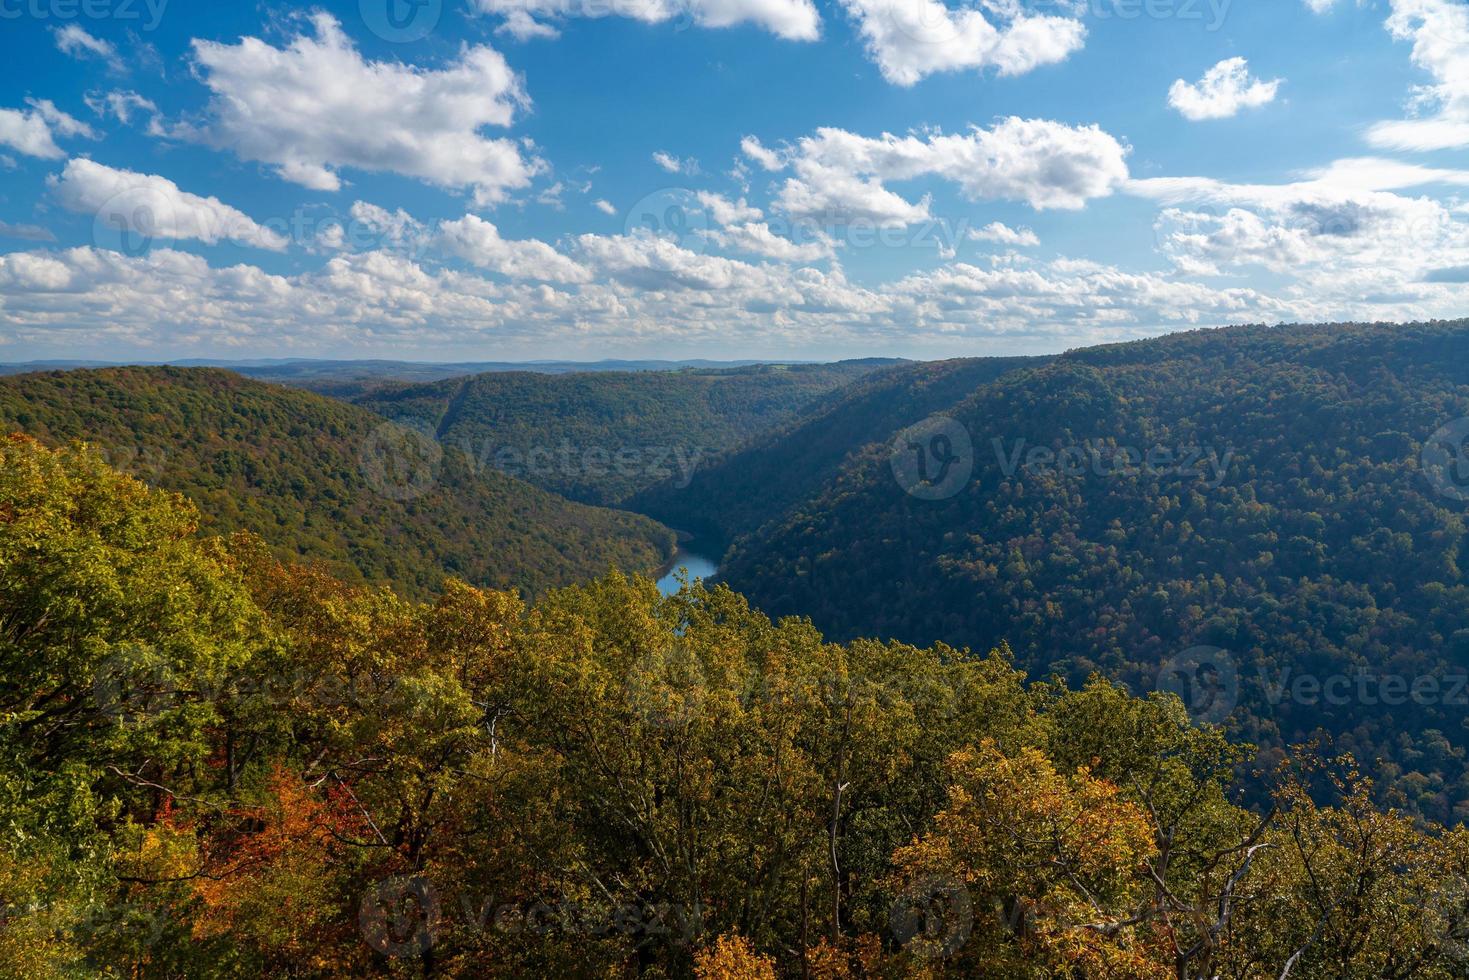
(698, 565)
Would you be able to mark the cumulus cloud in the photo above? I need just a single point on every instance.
(911, 39)
(1439, 32)
(479, 243)
(839, 176)
(645, 289)
(1002, 234)
(317, 106)
(758, 238)
(726, 212)
(1337, 238)
(34, 131)
(74, 41)
(1224, 91)
(794, 20)
(605, 206)
(154, 206)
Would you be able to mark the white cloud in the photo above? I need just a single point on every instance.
(767, 159)
(675, 165)
(34, 131)
(523, 27)
(794, 20)
(653, 263)
(757, 238)
(122, 106)
(154, 206)
(605, 206)
(27, 233)
(840, 176)
(911, 39)
(1340, 241)
(1002, 234)
(1224, 91)
(1320, 6)
(74, 41)
(479, 243)
(1439, 30)
(727, 212)
(316, 106)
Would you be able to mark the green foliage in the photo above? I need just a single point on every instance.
(1322, 550)
(289, 466)
(289, 775)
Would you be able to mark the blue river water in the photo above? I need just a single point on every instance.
(698, 566)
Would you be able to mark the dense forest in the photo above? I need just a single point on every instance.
(735, 492)
(217, 764)
(329, 482)
(1258, 491)
(601, 437)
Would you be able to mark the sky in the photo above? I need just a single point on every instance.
(580, 179)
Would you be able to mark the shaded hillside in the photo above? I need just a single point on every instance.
(744, 488)
(601, 437)
(328, 481)
(1311, 546)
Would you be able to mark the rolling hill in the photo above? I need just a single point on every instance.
(1264, 493)
(600, 437)
(326, 481)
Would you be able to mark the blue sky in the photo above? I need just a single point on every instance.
(720, 178)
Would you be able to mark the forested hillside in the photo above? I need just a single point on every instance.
(737, 491)
(600, 437)
(1256, 490)
(329, 482)
(213, 764)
